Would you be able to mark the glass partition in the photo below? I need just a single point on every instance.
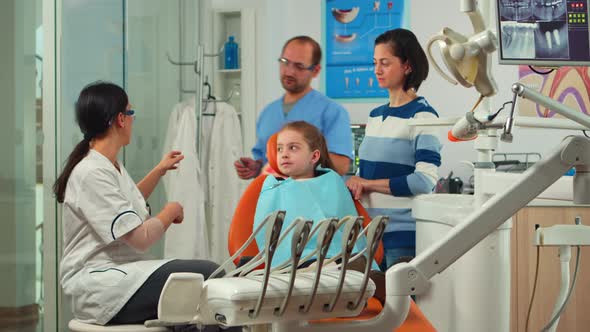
(21, 169)
(125, 42)
(91, 49)
(155, 29)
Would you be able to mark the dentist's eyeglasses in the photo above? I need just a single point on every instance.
(130, 113)
(298, 65)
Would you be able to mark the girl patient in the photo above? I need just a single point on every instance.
(313, 190)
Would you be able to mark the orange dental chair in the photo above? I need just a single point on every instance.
(242, 225)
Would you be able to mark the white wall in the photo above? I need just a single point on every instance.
(278, 20)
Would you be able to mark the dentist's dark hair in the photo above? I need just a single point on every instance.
(404, 45)
(97, 106)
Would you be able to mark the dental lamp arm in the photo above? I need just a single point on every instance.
(528, 93)
(412, 278)
(470, 8)
(547, 123)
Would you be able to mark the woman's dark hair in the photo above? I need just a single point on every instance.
(314, 139)
(97, 106)
(405, 45)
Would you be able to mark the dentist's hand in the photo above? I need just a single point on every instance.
(171, 213)
(169, 161)
(356, 186)
(247, 168)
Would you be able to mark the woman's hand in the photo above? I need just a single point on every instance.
(172, 212)
(178, 211)
(149, 182)
(356, 185)
(169, 161)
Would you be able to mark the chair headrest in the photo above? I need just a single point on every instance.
(271, 155)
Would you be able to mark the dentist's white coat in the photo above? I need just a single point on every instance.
(98, 270)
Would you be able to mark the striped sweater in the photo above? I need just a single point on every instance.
(408, 156)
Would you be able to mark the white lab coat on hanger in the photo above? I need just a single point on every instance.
(225, 188)
(205, 142)
(188, 240)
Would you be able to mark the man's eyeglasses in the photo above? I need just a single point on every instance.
(298, 65)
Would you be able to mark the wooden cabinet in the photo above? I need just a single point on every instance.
(576, 317)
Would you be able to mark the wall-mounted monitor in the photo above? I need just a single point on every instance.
(543, 32)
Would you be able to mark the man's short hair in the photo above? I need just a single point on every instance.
(316, 55)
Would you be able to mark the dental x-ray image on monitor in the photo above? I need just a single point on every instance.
(549, 10)
(516, 10)
(518, 39)
(544, 32)
(551, 40)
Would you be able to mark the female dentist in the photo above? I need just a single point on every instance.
(397, 159)
(106, 224)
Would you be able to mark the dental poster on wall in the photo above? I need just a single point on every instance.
(567, 85)
(351, 28)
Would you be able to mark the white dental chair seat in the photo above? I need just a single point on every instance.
(77, 326)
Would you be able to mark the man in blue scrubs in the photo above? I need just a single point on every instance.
(299, 65)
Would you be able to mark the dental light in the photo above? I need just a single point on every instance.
(467, 58)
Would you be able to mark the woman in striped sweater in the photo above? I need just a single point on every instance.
(395, 158)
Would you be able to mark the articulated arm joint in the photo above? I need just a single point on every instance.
(405, 279)
(576, 151)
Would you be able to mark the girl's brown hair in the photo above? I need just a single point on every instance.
(314, 139)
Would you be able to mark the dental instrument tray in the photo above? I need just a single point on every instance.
(230, 301)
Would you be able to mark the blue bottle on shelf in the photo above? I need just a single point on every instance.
(231, 54)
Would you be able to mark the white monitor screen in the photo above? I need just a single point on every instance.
(543, 32)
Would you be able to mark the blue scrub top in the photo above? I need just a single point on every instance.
(315, 108)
